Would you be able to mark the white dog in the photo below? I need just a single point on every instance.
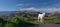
(40, 17)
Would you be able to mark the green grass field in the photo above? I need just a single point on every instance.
(18, 21)
(46, 20)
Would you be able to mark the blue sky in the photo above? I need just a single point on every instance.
(13, 5)
(8, 5)
(40, 3)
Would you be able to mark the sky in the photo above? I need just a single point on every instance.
(8, 5)
(36, 5)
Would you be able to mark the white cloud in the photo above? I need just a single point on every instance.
(32, 8)
(19, 4)
(42, 9)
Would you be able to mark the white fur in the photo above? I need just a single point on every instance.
(40, 17)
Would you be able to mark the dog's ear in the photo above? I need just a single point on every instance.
(40, 13)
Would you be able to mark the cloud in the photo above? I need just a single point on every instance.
(41, 9)
(19, 4)
(29, 9)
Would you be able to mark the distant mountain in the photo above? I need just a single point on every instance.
(6, 13)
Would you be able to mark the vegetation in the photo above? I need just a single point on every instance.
(53, 18)
(19, 20)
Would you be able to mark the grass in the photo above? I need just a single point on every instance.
(52, 20)
(15, 21)
(47, 20)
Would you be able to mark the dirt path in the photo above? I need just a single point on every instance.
(46, 24)
(50, 25)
